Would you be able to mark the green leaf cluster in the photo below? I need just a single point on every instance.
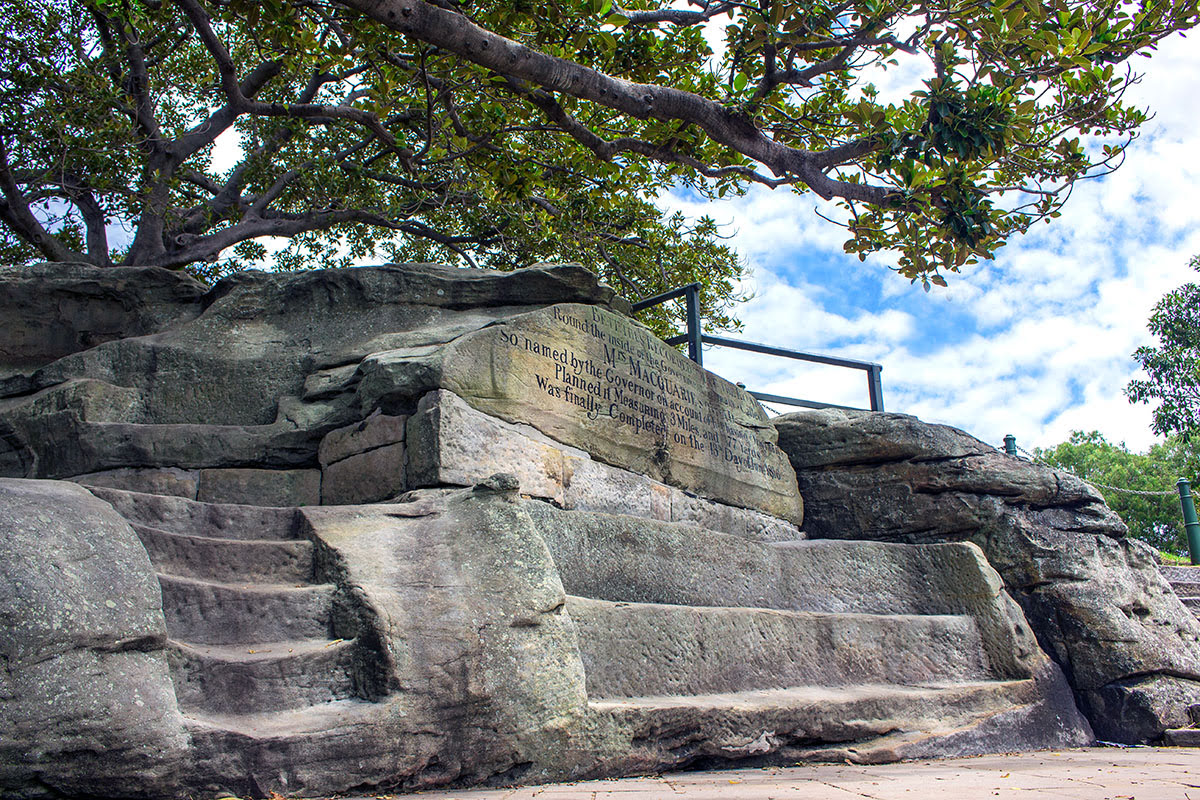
(1173, 366)
(362, 142)
(1155, 520)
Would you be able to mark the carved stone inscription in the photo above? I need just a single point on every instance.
(599, 381)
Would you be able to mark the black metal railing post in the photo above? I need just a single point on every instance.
(696, 338)
(875, 386)
(694, 334)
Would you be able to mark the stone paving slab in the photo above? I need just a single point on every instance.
(1100, 773)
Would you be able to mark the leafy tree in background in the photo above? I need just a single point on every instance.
(1173, 366)
(1156, 520)
(110, 113)
(502, 132)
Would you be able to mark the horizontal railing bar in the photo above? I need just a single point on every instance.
(792, 401)
(853, 363)
(664, 297)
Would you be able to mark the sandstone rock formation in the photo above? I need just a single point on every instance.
(1095, 598)
(86, 702)
(415, 525)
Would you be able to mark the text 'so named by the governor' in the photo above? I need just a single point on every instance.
(606, 367)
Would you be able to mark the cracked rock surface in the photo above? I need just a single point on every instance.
(1094, 597)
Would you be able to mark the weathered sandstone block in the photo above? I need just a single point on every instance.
(53, 310)
(364, 462)
(250, 373)
(86, 704)
(260, 487)
(597, 381)
(451, 443)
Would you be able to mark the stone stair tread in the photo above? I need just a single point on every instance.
(797, 696)
(209, 558)
(294, 723)
(196, 517)
(211, 612)
(219, 540)
(621, 557)
(782, 612)
(1174, 573)
(266, 651)
(1182, 737)
(273, 676)
(640, 649)
(248, 586)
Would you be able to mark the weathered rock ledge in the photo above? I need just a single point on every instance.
(1094, 598)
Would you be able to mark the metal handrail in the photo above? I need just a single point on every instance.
(695, 337)
(691, 295)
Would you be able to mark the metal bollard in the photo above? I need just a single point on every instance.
(1190, 524)
(1010, 444)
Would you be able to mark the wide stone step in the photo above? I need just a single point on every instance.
(194, 518)
(1185, 574)
(1182, 737)
(231, 679)
(623, 558)
(864, 723)
(293, 751)
(228, 560)
(635, 649)
(1186, 588)
(206, 612)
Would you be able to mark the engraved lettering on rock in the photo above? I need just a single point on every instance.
(629, 375)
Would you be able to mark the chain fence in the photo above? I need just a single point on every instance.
(1031, 457)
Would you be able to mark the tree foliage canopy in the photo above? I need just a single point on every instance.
(1156, 520)
(505, 131)
(1173, 367)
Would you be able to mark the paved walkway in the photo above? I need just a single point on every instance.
(1102, 773)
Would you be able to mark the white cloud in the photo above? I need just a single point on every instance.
(1036, 344)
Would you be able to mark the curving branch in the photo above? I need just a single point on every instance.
(607, 150)
(232, 87)
(456, 34)
(14, 212)
(680, 17)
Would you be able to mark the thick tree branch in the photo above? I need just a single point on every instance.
(207, 131)
(94, 224)
(456, 34)
(607, 150)
(679, 17)
(14, 212)
(207, 248)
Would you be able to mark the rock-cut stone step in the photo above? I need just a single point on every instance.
(195, 518)
(289, 751)
(205, 612)
(251, 635)
(1185, 582)
(236, 679)
(207, 558)
(650, 649)
(866, 723)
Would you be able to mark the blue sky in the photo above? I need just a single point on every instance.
(1037, 343)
